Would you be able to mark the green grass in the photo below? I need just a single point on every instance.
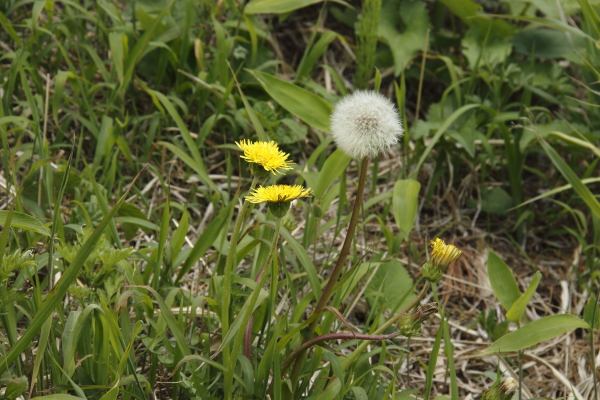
(123, 189)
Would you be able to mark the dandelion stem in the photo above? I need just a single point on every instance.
(341, 261)
(333, 336)
(228, 272)
(251, 303)
(339, 266)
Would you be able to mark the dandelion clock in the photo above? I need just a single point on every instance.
(365, 123)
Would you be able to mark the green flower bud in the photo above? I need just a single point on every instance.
(279, 209)
(500, 390)
(410, 324)
(442, 255)
(289, 221)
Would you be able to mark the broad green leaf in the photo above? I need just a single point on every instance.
(405, 204)
(332, 390)
(496, 200)
(413, 17)
(391, 285)
(334, 166)
(586, 195)
(503, 282)
(518, 308)
(535, 332)
(24, 221)
(307, 106)
(57, 397)
(116, 42)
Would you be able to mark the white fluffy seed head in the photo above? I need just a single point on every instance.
(365, 123)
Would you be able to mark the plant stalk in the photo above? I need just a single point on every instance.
(341, 261)
(237, 344)
(228, 272)
(337, 270)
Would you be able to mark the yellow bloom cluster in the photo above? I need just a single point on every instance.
(265, 154)
(277, 194)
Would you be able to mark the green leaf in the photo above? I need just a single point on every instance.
(391, 284)
(304, 258)
(308, 62)
(277, 6)
(206, 239)
(566, 171)
(56, 295)
(405, 204)
(24, 221)
(333, 167)
(57, 397)
(535, 332)
(496, 200)
(518, 308)
(447, 123)
(591, 312)
(413, 16)
(307, 106)
(332, 390)
(503, 282)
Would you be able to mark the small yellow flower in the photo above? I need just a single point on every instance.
(277, 194)
(443, 254)
(265, 154)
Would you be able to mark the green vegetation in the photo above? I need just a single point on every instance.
(132, 266)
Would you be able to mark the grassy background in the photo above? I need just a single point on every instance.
(499, 104)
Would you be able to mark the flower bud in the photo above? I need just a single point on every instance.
(442, 255)
(500, 390)
(410, 324)
(289, 221)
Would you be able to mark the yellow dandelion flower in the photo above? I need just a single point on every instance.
(443, 254)
(277, 194)
(278, 197)
(265, 154)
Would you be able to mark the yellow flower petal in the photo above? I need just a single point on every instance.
(277, 194)
(266, 154)
(443, 254)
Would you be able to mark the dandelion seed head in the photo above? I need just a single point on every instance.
(365, 123)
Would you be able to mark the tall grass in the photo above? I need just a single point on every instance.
(131, 265)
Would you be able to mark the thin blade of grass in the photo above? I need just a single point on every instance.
(586, 195)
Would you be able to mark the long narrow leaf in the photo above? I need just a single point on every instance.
(566, 171)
